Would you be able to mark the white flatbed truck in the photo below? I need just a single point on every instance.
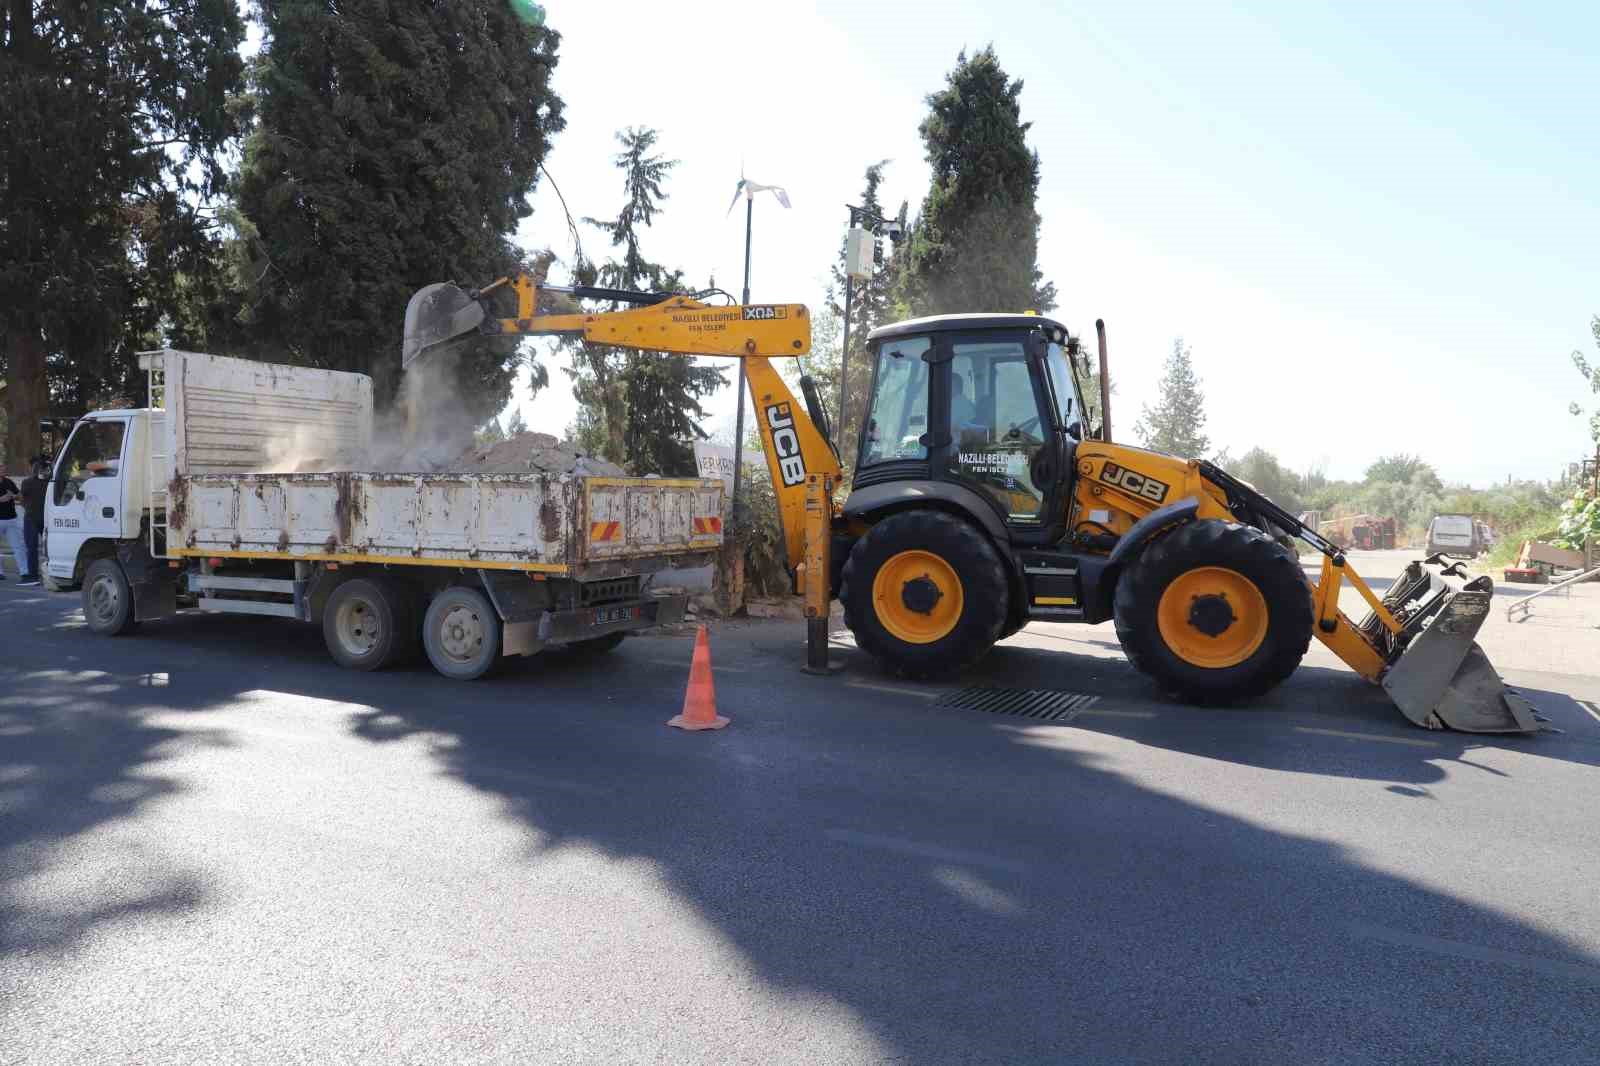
(174, 507)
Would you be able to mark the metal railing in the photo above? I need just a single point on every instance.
(1524, 603)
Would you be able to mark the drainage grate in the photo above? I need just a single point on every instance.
(1051, 705)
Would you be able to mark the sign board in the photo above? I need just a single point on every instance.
(716, 460)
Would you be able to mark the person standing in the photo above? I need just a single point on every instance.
(10, 523)
(34, 487)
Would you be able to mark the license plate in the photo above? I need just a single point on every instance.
(607, 615)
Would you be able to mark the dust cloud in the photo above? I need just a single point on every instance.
(428, 430)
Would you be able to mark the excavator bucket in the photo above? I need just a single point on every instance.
(438, 317)
(1438, 675)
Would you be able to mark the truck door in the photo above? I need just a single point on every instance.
(85, 493)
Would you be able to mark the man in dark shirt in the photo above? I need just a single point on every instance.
(10, 524)
(33, 490)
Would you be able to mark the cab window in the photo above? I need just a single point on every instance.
(897, 420)
(95, 450)
(1069, 405)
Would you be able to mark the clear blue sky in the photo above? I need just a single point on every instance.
(1375, 224)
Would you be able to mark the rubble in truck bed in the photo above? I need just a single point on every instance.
(539, 453)
(524, 453)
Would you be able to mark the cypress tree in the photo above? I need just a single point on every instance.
(975, 244)
(395, 145)
(113, 123)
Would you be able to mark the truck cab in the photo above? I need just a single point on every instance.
(99, 491)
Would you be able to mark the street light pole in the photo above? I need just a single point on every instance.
(738, 418)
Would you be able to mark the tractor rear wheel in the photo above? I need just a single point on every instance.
(924, 593)
(1216, 612)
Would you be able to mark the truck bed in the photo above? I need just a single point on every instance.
(583, 526)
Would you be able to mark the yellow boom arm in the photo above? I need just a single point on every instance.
(795, 448)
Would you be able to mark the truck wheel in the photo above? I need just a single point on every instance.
(361, 624)
(108, 599)
(925, 593)
(461, 633)
(1215, 611)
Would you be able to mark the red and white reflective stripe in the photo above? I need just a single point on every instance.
(711, 524)
(605, 531)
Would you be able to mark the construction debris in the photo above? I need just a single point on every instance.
(532, 452)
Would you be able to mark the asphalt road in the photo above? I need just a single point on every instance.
(218, 847)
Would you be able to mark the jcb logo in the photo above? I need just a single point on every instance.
(786, 442)
(1145, 487)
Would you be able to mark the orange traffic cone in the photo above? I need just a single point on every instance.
(700, 699)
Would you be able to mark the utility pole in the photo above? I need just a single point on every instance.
(738, 418)
(860, 258)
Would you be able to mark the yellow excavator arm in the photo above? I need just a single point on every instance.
(799, 455)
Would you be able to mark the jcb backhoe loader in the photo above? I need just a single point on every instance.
(982, 500)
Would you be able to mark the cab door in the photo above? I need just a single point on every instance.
(85, 493)
(996, 405)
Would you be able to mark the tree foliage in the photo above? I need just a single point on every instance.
(112, 132)
(1591, 377)
(1176, 424)
(395, 145)
(1405, 469)
(641, 408)
(975, 243)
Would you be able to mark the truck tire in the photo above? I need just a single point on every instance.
(461, 633)
(925, 593)
(361, 624)
(108, 599)
(1216, 612)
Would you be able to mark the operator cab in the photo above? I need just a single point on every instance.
(980, 410)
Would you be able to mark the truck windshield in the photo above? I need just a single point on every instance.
(95, 450)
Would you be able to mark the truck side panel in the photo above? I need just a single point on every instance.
(527, 521)
(628, 517)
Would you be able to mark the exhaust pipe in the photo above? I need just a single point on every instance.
(1105, 382)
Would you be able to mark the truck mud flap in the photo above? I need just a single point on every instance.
(1440, 678)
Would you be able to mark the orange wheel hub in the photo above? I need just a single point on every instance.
(917, 597)
(1212, 617)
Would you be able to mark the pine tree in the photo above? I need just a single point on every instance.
(395, 145)
(112, 128)
(1176, 425)
(975, 243)
(645, 406)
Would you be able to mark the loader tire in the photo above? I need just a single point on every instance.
(925, 593)
(1215, 612)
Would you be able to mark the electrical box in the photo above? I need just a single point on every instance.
(859, 251)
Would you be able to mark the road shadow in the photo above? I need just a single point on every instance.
(78, 754)
(966, 891)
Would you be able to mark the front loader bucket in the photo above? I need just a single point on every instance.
(437, 317)
(1438, 675)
